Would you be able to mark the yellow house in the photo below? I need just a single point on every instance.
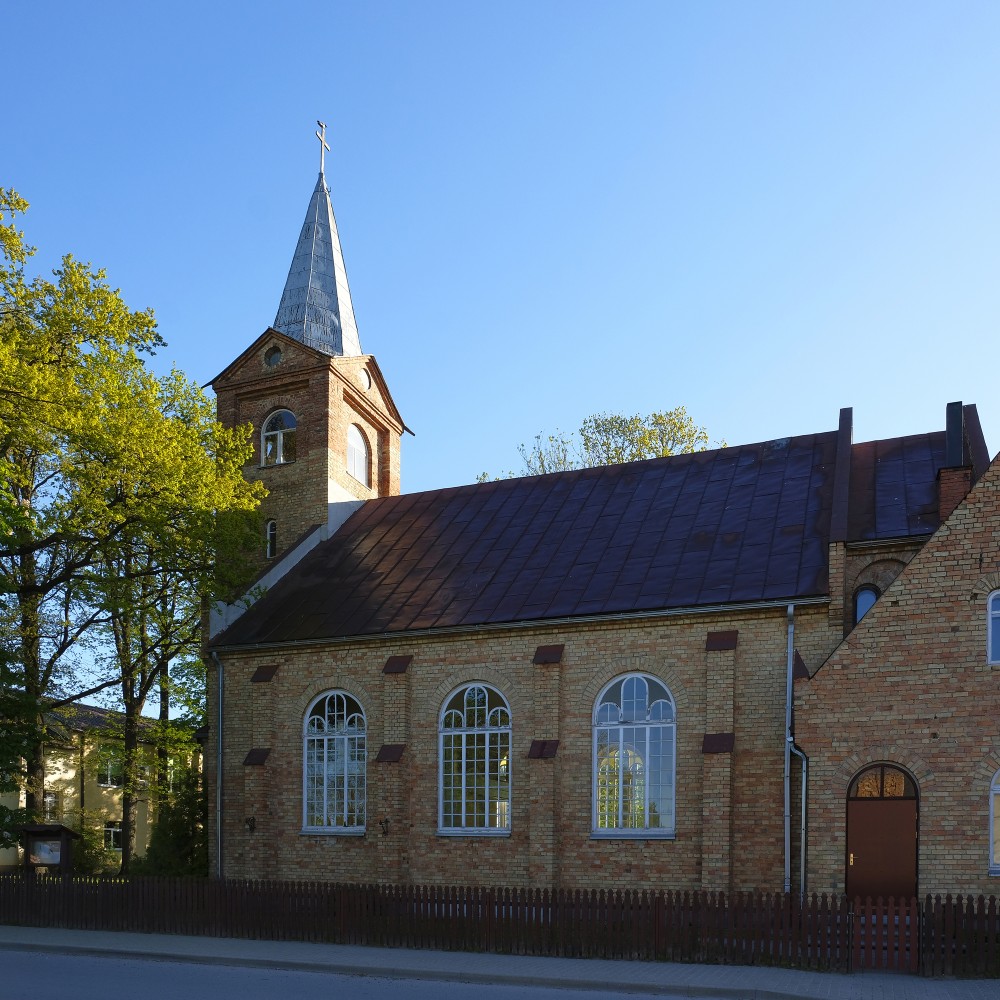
(83, 784)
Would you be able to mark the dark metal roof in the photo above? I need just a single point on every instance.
(737, 524)
(893, 491)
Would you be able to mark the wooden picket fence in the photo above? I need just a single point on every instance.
(955, 936)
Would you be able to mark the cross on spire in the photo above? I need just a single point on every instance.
(323, 147)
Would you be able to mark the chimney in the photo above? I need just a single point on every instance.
(955, 476)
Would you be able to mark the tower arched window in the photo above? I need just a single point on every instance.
(278, 438)
(271, 539)
(358, 455)
(474, 744)
(634, 772)
(334, 765)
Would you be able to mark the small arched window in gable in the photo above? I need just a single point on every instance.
(864, 599)
(278, 438)
(995, 825)
(358, 455)
(271, 540)
(993, 627)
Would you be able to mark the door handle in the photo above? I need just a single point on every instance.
(851, 861)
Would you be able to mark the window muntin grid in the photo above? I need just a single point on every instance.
(634, 759)
(474, 754)
(278, 439)
(334, 765)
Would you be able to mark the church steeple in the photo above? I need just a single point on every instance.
(315, 306)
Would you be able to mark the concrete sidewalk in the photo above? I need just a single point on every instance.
(600, 975)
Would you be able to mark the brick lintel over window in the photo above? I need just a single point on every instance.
(390, 753)
(549, 654)
(397, 664)
(716, 641)
(718, 743)
(256, 757)
(542, 749)
(264, 674)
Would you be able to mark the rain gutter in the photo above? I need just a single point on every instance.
(534, 623)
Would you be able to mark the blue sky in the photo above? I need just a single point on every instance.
(765, 211)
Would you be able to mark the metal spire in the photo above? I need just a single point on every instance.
(316, 304)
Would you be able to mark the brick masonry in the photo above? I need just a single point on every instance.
(911, 686)
(326, 395)
(729, 805)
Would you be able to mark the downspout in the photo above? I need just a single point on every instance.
(788, 747)
(218, 772)
(802, 821)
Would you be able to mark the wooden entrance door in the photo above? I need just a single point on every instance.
(882, 834)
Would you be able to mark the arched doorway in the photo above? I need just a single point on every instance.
(882, 834)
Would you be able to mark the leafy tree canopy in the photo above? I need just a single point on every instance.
(610, 439)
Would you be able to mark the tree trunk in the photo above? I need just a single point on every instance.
(130, 785)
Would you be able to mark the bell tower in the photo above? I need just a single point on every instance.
(325, 429)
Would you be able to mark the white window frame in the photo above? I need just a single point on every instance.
(617, 730)
(359, 456)
(271, 539)
(51, 806)
(112, 833)
(346, 744)
(111, 773)
(994, 820)
(281, 437)
(496, 734)
(992, 615)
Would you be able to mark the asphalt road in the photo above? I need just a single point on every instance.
(31, 975)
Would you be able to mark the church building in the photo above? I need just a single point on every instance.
(766, 666)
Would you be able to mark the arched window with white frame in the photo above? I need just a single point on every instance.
(993, 627)
(634, 772)
(474, 755)
(358, 455)
(995, 825)
(277, 444)
(271, 539)
(334, 765)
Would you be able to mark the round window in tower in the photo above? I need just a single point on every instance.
(272, 357)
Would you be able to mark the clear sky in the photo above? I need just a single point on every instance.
(765, 211)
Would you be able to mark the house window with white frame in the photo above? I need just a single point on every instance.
(358, 455)
(112, 835)
(278, 439)
(993, 627)
(111, 774)
(51, 807)
(995, 825)
(474, 759)
(271, 539)
(634, 773)
(334, 765)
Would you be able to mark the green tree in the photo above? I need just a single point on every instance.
(153, 577)
(178, 844)
(613, 438)
(17, 735)
(110, 481)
